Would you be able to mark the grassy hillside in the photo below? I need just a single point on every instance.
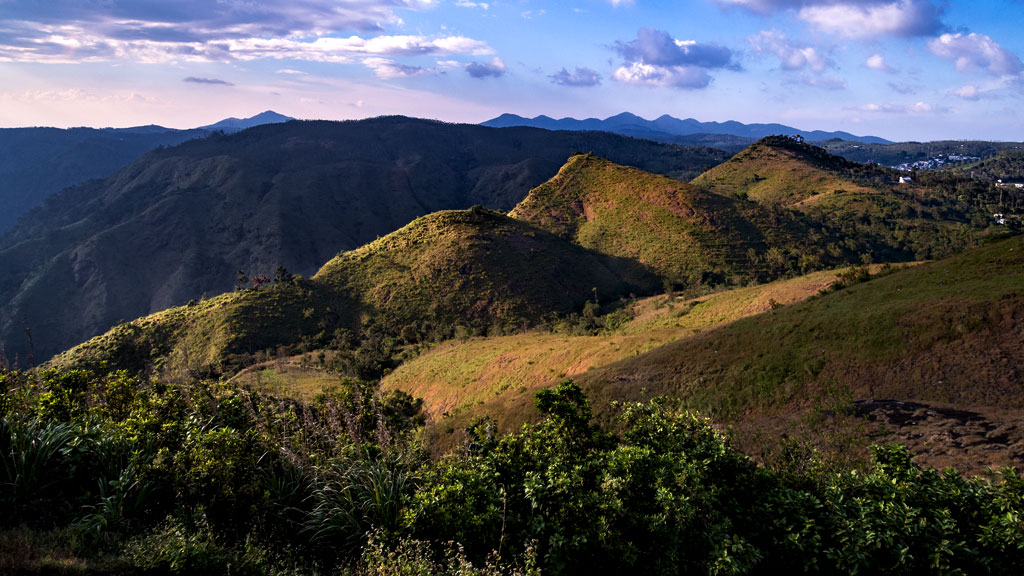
(476, 268)
(455, 376)
(945, 331)
(685, 234)
(180, 221)
(781, 171)
(932, 217)
(928, 355)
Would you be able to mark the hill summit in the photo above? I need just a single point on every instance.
(687, 235)
(476, 268)
(787, 171)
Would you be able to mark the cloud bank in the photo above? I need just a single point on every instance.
(654, 58)
(584, 77)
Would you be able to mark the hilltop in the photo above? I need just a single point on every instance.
(683, 233)
(235, 124)
(475, 268)
(179, 222)
(788, 172)
(929, 217)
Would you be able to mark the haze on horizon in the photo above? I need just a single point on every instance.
(899, 69)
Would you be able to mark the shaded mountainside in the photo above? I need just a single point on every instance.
(473, 267)
(179, 222)
(38, 162)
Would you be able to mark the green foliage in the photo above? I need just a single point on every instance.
(206, 478)
(190, 547)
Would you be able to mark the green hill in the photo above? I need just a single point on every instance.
(685, 234)
(179, 222)
(932, 217)
(783, 171)
(476, 268)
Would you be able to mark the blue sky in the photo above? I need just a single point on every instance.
(901, 69)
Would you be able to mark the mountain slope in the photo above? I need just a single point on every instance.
(179, 222)
(38, 162)
(929, 355)
(932, 217)
(682, 233)
(787, 172)
(455, 376)
(945, 331)
(665, 125)
(472, 267)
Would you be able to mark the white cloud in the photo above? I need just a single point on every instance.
(654, 58)
(877, 62)
(976, 52)
(791, 56)
(915, 108)
(468, 4)
(866, 20)
(674, 76)
(388, 69)
(493, 69)
(91, 48)
(203, 20)
(968, 92)
(187, 31)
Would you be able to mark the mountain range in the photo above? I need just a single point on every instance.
(595, 230)
(669, 129)
(567, 283)
(179, 222)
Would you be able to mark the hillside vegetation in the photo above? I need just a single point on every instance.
(944, 335)
(686, 235)
(932, 218)
(780, 170)
(475, 268)
(944, 331)
(455, 376)
(179, 222)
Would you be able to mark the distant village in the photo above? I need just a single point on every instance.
(937, 163)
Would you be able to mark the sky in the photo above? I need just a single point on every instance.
(899, 69)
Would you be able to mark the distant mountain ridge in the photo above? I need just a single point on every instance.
(236, 124)
(665, 127)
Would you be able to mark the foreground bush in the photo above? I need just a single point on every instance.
(206, 478)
